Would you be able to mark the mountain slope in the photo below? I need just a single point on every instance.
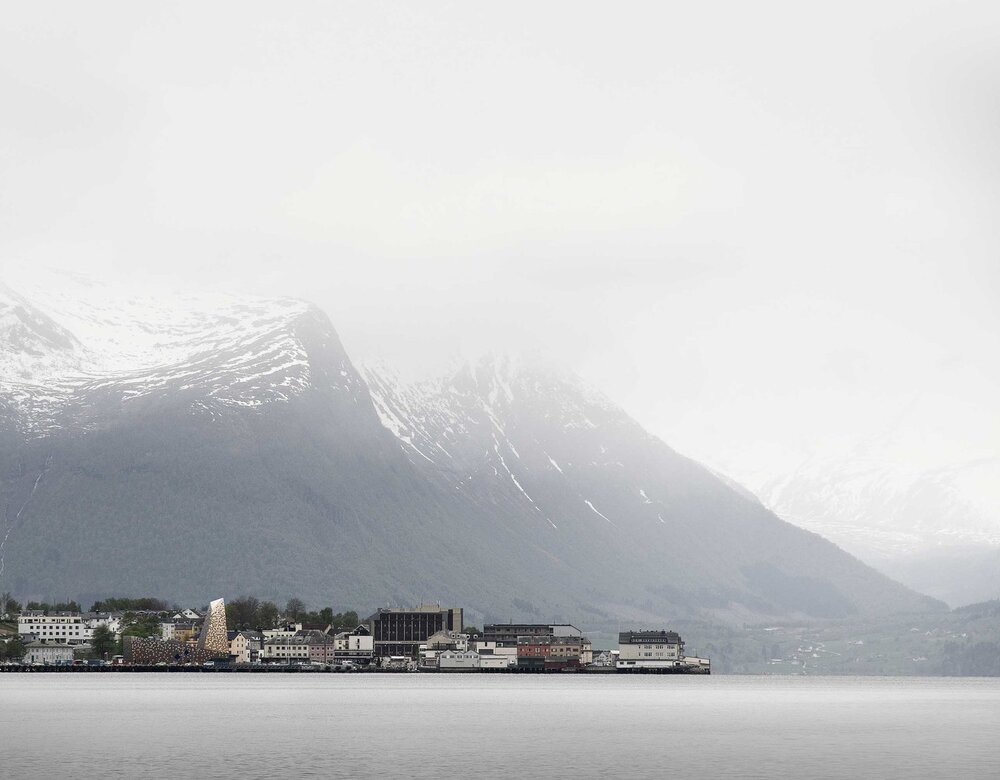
(196, 447)
(650, 527)
(925, 514)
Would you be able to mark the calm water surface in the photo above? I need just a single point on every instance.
(312, 725)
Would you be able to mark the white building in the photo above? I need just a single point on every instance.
(357, 645)
(289, 630)
(246, 647)
(285, 649)
(649, 650)
(497, 661)
(112, 620)
(697, 665)
(47, 653)
(455, 660)
(489, 648)
(604, 658)
(59, 627)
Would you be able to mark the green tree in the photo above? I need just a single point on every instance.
(145, 626)
(267, 615)
(294, 609)
(103, 641)
(470, 630)
(326, 615)
(8, 605)
(309, 618)
(242, 612)
(349, 618)
(13, 649)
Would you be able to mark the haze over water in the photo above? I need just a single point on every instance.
(213, 726)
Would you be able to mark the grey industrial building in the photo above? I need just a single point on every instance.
(400, 632)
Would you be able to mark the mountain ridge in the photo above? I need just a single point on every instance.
(269, 464)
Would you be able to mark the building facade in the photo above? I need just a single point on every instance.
(400, 632)
(154, 652)
(448, 640)
(548, 652)
(110, 620)
(649, 650)
(506, 634)
(47, 653)
(322, 647)
(457, 660)
(59, 628)
(180, 629)
(214, 637)
(245, 646)
(285, 649)
(357, 646)
(490, 649)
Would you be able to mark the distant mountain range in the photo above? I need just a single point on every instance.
(934, 525)
(205, 446)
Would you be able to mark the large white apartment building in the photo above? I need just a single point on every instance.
(649, 650)
(59, 627)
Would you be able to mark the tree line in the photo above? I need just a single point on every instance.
(144, 604)
(248, 612)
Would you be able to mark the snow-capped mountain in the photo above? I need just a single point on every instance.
(190, 445)
(465, 425)
(918, 510)
(879, 508)
(67, 343)
(527, 434)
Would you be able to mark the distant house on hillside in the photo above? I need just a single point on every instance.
(111, 620)
(179, 629)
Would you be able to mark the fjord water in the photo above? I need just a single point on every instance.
(413, 725)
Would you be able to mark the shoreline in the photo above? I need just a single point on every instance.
(283, 669)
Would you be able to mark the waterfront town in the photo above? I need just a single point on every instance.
(426, 638)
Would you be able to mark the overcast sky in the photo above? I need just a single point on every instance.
(763, 228)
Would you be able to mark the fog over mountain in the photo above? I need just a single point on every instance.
(767, 232)
(188, 446)
(935, 528)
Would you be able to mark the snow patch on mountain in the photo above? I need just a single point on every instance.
(469, 422)
(597, 511)
(62, 338)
